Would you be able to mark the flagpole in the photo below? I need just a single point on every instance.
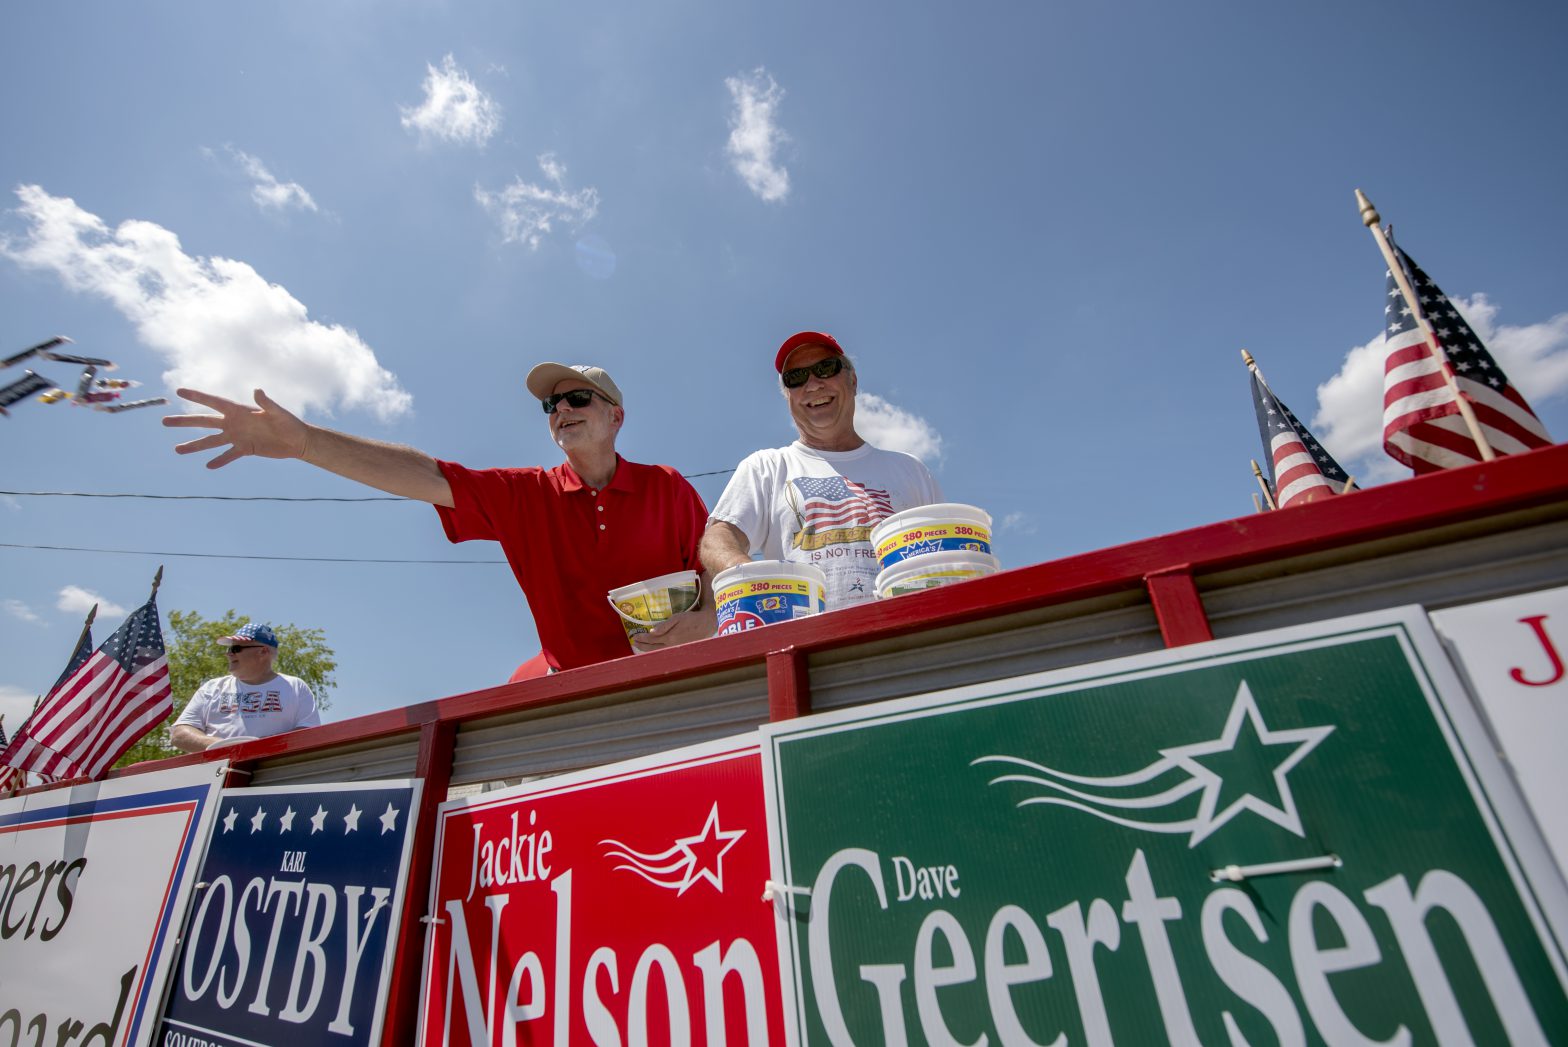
(1268, 496)
(157, 580)
(1372, 220)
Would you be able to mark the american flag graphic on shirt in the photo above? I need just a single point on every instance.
(830, 503)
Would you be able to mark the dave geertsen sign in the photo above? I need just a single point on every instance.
(288, 939)
(1293, 837)
(93, 881)
(615, 906)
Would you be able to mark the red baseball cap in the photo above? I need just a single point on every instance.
(795, 341)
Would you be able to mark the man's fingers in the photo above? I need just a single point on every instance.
(217, 403)
(205, 443)
(225, 458)
(266, 402)
(193, 421)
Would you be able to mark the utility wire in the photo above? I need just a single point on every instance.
(233, 556)
(251, 498)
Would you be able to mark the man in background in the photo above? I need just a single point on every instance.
(253, 701)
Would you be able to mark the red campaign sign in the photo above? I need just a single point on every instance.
(618, 906)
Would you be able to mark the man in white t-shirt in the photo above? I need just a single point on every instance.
(816, 500)
(253, 701)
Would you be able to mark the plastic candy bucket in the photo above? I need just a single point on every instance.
(942, 528)
(932, 570)
(751, 595)
(642, 605)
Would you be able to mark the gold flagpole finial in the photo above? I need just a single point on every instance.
(1369, 215)
(1268, 495)
(1246, 358)
(157, 580)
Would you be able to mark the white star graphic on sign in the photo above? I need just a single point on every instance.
(1244, 712)
(351, 819)
(318, 821)
(229, 819)
(707, 849)
(389, 819)
(255, 822)
(286, 821)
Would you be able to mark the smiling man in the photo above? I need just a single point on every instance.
(571, 534)
(816, 500)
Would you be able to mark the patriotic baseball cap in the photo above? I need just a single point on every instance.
(795, 341)
(544, 378)
(252, 632)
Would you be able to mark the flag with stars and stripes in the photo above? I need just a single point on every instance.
(831, 502)
(1422, 426)
(11, 778)
(1300, 470)
(99, 710)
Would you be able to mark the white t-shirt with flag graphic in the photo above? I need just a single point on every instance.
(818, 507)
(225, 708)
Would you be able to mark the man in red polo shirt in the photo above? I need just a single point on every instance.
(571, 534)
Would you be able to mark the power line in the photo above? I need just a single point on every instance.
(253, 497)
(233, 556)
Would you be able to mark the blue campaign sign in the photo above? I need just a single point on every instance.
(288, 936)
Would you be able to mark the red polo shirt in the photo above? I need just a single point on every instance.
(570, 544)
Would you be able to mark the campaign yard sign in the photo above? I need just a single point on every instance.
(1513, 654)
(93, 881)
(289, 935)
(1292, 837)
(615, 906)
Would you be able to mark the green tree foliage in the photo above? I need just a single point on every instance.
(195, 657)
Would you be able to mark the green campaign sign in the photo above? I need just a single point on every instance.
(1293, 837)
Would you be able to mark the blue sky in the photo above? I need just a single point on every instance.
(1044, 230)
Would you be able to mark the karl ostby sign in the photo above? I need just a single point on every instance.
(1295, 837)
(288, 938)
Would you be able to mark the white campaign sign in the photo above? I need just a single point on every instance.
(94, 880)
(1514, 652)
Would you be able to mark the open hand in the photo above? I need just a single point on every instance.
(697, 624)
(266, 430)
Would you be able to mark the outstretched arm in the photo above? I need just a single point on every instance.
(269, 431)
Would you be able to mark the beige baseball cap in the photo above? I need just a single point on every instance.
(542, 380)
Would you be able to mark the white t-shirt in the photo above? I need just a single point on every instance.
(225, 708)
(818, 507)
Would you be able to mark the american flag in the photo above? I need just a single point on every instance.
(99, 710)
(832, 502)
(1422, 427)
(1298, 464)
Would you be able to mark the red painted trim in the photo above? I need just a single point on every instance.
(1406, 508)
(437, 740)
(1177, 607)
(789, 684)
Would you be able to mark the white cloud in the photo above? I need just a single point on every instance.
(895, 429)
(1349, 420)
(18, 609)
(527, 212)
(1017, 523)
(267, 191)
(454, 109)
(77, 600)
(218, 324)
(754, 135)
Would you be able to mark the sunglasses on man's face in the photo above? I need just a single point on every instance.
(245, 647)
(578, 398)
(826, 367)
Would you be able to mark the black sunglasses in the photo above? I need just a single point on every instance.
(826, 367)
(246, 647)
(578, 398)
